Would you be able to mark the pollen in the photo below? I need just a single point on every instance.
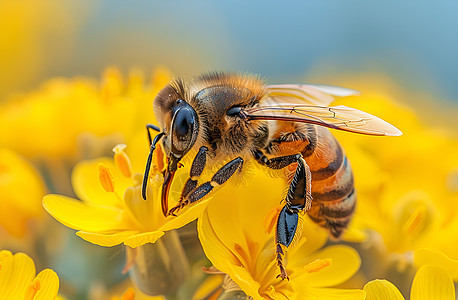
(32, 289)
(415, 220)
(122, 161)
(317, 265)
(106, 178)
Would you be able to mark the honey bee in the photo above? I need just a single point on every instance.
(236, 118)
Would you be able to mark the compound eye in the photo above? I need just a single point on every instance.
(183, 124)
(184, 130)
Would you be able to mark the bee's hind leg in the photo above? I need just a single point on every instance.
(298, 199)
(191, 192)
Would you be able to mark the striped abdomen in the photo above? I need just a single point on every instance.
(334, 197)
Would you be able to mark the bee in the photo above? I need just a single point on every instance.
(237, 118)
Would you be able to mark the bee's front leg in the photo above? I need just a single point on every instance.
(191, 192)
(297, 200)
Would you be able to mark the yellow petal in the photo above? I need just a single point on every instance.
(106, 240)
(436, 258)
(431, 282)
(220, 256)
(49, 285)
(382, 290)
(246, 207)
(246, 282)
(143, 238)
(15, 275)
(5, 255)
(85, 181)
(187, 216)
(345, 262)
(210, 286)
(83, 216)
(312, 293)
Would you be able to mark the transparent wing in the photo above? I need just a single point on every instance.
(336, 117)
(318, 94)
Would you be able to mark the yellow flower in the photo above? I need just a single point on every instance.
(436, 258)
(406, 188)
(26, 49)
(235, 233)
(18, 280)
(68, 120)
(112, 210)
(21, 190)
(430, 282)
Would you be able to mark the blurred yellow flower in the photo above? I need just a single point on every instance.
(68, 120)
(21, 191)
(236, 234)
(18, 280)
(112, 210)
(436, 258)
(430, 282)
(406, 191)
(29, 38)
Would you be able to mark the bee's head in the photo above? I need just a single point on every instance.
(178, 120)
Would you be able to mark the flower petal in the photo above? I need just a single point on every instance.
(246, 207)
(345, 263)
(49, 285)
(143, 238)
(187, 216)
(436, 258)
(83, 216)
(314, 293)
(246, 282)
(106, 240)
(16, 274)
(432, 282)
(381, 289)
(220, 256)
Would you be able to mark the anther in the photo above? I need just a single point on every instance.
(122, 161)
(318, 265)
(106, 178)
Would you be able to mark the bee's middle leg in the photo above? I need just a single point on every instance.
(191, 192)
(298, 198)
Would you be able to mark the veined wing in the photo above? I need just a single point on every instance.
(318, 94)
(336, 117)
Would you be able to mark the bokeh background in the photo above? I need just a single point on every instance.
(414, 43)
(406, 48)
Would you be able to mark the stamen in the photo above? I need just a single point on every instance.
(271, 219)
(32, 289)
(106, 178)
(318, 265)
(415, 220)
(122, 161)
(158, 158)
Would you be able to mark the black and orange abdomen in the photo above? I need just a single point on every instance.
(334, 197)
